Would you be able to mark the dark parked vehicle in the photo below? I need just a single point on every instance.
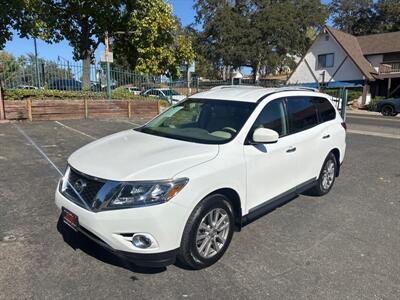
(389, 107)
(65, 85)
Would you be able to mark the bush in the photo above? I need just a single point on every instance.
(121, 93)
(352, 94)
(42, 94)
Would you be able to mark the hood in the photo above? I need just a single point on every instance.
(131, 155)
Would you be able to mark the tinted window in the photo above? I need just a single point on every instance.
(302, 113)
(272, 117)
(325, 109)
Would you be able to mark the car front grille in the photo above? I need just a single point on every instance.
(82, 187)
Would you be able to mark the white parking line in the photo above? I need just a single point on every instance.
(38, 149)
(50, 161)
(371, 133)
(75, 130)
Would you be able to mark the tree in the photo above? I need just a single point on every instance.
(11, 17)
(22, 71)
(83, 23)
(354, 16)
(9, 67)
(361, 17)
(153, 39)
(257, 33)
(388, 15)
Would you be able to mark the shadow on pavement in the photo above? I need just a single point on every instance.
(76, 240)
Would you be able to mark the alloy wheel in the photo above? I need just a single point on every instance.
(328, 174)
(212, 233)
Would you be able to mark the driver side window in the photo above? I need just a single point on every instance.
(272, 117)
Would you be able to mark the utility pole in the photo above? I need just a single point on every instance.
(36, 63)
(107, 54)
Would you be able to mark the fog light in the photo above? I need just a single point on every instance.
(141, 241)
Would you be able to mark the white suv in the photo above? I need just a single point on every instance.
(179, 186)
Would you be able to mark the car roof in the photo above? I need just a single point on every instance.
(244, 93)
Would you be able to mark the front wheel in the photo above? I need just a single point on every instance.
(387, 110)
(207, 233)
(326, 177)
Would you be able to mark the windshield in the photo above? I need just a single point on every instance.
(170, 92)
(201, 121)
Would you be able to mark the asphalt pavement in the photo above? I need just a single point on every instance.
(344, 245)
(374, 125)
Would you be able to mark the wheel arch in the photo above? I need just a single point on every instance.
(234, 198)
(387, 104)
(336, 153)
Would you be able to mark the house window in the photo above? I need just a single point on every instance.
(325, 60)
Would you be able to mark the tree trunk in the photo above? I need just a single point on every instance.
(86, 72)
(256, 72)
(87, 52)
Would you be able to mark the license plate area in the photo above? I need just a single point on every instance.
(70, 219)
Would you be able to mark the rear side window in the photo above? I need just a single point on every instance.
(325, 109)
(272, 117)
(302, 113)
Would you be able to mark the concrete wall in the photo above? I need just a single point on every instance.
(322, 45)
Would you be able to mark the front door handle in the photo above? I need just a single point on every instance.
(291, 149)
(327, 136)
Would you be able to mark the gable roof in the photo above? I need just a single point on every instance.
(380, 43)
(350, 45)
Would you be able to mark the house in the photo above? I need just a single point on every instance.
(339, 59)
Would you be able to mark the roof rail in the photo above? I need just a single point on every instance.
(220, 87)
(288, 89)
(296, 88)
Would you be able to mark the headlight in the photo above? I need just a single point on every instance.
(134, 194)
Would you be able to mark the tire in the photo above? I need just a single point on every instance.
(201, 238)
(387, 110)
(326, 177)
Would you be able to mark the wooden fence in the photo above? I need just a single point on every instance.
(79, 109)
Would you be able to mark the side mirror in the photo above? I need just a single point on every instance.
(265, 136)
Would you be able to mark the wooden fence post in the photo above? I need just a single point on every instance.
(29, 108)
(159, 107)
(129, 109)
(85, 103)
(2, 106)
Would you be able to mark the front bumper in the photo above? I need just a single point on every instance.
(113, 229)
(161, 259)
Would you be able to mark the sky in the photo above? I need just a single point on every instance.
(183, 9)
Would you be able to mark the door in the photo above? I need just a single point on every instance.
(270, 167)
(303, 124)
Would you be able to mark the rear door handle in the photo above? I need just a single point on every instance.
(291, 149)
(327, 136)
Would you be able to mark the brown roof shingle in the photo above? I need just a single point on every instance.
(351, 46)
(380, 43)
